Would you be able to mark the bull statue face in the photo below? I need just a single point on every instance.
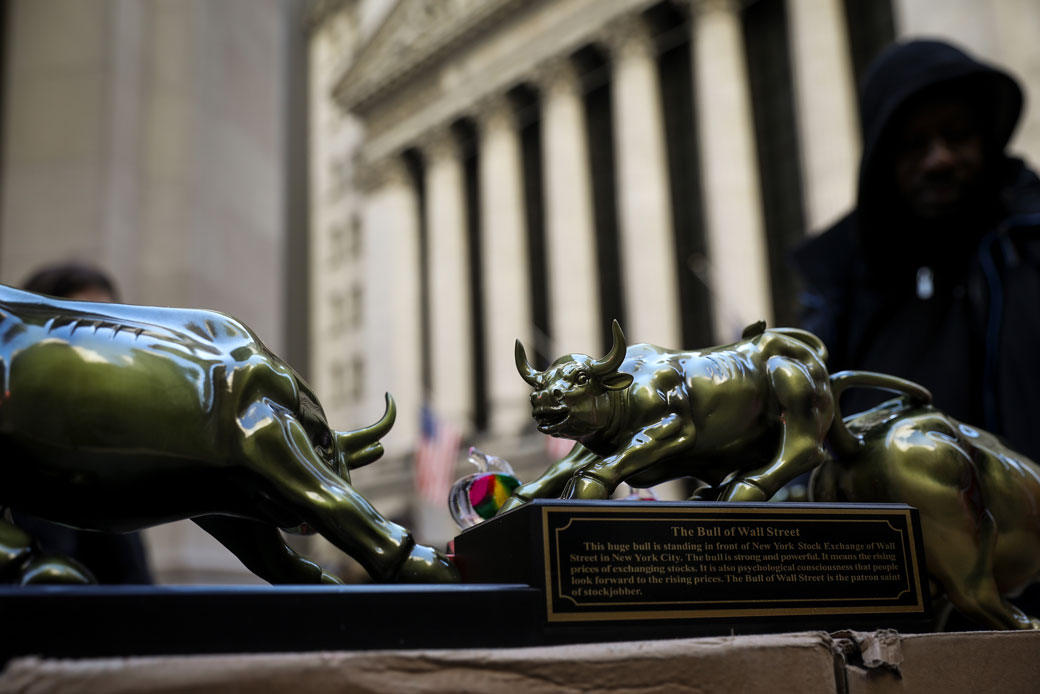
(573, 397)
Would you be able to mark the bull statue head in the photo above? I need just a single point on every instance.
(575, 396)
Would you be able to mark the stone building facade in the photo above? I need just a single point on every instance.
(486, 170)
(151, 138)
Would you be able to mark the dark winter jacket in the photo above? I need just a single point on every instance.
(956, 308)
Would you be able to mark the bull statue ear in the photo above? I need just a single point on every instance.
(753, 330)
(617, 381)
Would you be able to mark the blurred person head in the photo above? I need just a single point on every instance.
(935, 123)
(72, 280)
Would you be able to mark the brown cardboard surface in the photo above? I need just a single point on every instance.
(774, 664)
(800, 663)
(954, 663)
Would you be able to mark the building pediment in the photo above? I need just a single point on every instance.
(416, 36)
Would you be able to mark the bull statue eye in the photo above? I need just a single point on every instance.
(582, 378)
(323, 440)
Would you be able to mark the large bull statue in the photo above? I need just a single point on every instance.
(744, 419)
(116, 417)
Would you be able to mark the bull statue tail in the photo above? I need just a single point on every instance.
(814, 343)
(844, 441)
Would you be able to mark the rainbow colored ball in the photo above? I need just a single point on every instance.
(488, 491)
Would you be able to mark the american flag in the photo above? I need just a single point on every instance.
(435, 457)
(556, 448)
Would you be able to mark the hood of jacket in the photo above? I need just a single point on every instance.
(879, 229)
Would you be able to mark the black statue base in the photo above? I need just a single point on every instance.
(101, 621)
(714, 568)
(550, 572)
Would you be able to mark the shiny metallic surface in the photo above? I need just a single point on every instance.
(744, 418)
(118, 417)
(979, 501)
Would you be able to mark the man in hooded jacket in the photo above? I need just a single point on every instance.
(935, 275)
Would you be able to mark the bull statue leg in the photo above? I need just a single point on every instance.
(276, 446)
(803, 392)
(22, 562)
(262, 550)
(599, 478)
(551, 484)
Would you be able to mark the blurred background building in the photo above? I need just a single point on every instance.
(390, 192)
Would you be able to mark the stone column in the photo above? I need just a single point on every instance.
(825, 92)
(569, 227)
(392, 336)
(647, 239)
(451, 352)
(729, 169)
(507, 288)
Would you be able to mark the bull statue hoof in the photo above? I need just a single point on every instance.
(744, 491)
(427, 565)
(586, 488)
(51, 569)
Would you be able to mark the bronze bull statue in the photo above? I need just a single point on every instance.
(117, 417)
(743, 419)
(979, 501)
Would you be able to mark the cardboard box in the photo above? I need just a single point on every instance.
(793, 663)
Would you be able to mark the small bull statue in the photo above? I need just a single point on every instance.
(743, 419)
(979, 501)
(117, 417)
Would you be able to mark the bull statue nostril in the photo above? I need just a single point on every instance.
(557, 394)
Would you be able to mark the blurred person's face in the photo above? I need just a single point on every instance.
(91, 294)
(939, 158)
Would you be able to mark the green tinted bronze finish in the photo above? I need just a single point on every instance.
(744, 418)
(117, 417)
(979, 501)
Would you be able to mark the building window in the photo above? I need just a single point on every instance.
(675, 70)
(528, 117)
(338, 378)
(357, 371)
(416, 167)
(337, 312)
(357, 295)
(466, 134)
(776, 138)
(594, 69)
(356, 237)
(871, 26)
(336, 244)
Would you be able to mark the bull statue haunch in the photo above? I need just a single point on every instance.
(743, 419)
(117, 417)
(979, 501)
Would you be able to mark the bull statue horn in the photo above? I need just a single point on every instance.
(532, 376)
(612, 361)
(361, 441)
